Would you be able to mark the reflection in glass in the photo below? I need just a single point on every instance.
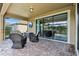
(53, 27)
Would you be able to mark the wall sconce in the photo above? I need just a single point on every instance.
(30, 24)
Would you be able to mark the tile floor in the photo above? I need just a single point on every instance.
(42, 48)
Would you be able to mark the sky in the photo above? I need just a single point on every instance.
(12, 20)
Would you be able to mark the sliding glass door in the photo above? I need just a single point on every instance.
(53, 27)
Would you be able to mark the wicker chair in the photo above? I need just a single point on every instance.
(18, 40)
(33, 37)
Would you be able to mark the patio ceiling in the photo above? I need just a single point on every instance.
(23, 9)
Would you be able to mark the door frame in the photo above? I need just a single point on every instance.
(76, 30)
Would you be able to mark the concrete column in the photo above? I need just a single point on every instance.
(1, 28)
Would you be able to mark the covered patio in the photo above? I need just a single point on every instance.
(44, 17)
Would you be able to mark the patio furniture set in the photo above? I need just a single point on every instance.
(19, 39)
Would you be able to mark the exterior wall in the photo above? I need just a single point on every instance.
(2, 13)
(22, 28)
(1, 28)
(33, 29)
(72, 31)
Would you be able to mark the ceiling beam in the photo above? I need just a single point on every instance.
(4, 8)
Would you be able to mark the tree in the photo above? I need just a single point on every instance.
(7, 30)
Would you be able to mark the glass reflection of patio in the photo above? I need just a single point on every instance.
(58, 37)
(54, 23)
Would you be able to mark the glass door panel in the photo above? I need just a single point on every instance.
(39, 26)
(48, 27)
(60, 27)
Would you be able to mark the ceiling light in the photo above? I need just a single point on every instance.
(31, 9)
